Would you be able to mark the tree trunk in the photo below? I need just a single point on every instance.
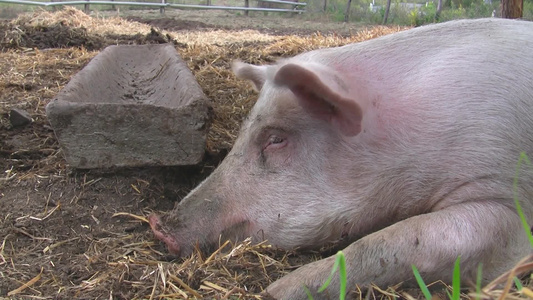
(512, 9)
(347, 13)
(387, 9)
(439, 8)
(325, 5)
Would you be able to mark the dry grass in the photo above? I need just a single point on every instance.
(75, 18)
(118, 257)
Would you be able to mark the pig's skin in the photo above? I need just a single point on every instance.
(404, 146)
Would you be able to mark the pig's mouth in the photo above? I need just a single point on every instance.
(161, 234)
(237, 231)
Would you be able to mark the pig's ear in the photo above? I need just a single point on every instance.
(256, 74)
(323, 94)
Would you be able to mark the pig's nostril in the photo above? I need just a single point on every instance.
(161, 234)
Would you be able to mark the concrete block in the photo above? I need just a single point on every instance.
(131, 106)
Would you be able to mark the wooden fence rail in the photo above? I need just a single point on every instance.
(295, 5)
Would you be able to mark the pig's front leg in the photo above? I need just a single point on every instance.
(486, 232)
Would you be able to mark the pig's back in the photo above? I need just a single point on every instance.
(454, 100)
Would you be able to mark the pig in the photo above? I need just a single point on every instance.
(401, 150)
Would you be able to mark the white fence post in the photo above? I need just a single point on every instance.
(162, 8)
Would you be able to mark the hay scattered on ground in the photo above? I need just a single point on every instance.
(75, 18)
(29, 81)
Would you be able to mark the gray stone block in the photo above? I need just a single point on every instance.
(131, 106)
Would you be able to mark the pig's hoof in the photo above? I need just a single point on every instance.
(308, 278)
(266, 296)
(283, 289)
(161, 234)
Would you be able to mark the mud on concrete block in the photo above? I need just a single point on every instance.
(131, 106)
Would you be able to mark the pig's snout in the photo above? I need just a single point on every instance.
(161, 234)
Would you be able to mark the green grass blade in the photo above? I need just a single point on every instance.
(421, 283)
(342, 274)
(449, 295)
(333, 270)
(527, 228)
(478, 281)
(340, 263)
(308, 292)
(518, 284)
(456, 281)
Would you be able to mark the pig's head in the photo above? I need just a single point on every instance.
(285, 180)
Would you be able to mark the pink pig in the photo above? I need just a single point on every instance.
(403, 149)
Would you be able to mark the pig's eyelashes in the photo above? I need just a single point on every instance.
(275, 142)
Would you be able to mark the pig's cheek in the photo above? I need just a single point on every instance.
(275, 158)
(276, 162)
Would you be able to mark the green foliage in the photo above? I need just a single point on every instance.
(456, 281)
(401, 15)
(334, 9)
(337, 16)
(452, 14)
(362, 13)
(340, 263)
(426, 14)
(528, 10)
(308, 292)
(421, 283)
(523, 159)
(518, 284)
(478, 281)
(413, 17)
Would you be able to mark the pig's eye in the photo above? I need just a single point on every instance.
(274, 142)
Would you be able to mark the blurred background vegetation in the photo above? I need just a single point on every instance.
(366, 12)
(411, 12)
